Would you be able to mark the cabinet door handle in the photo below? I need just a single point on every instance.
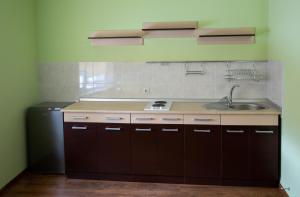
(114, 118)
(79, 117)
(171, 119)
(201, 131)
(170, 130)
(79, 128)
(112, 129)
(147, 130)
(203, 119)
(264, 132)
(145, 119)
(235, 131)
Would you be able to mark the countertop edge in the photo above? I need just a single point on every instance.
(174, 112)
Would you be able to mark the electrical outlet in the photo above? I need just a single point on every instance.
(146, 91)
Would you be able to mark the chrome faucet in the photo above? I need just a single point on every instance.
(231, 93)
(228, 99)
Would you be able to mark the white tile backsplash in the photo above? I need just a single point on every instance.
(59, 82)
(70, 81)
(275, 82)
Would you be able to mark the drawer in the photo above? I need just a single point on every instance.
(256, 120)
(114, 118)
(157, 118)
(97, 117)
(202, 119)
(76, 117)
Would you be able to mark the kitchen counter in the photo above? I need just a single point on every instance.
(178, 107)
(142, 145)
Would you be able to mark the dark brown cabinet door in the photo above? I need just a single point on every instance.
(113, 148)
(264, 153)
(170, 147)
(235, 144)
(203, 151)
(80, 147)
(144, 150)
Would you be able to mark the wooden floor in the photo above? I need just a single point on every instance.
(31, 185)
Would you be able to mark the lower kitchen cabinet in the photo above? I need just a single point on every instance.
(144, 157)
(263, 154)
(158, 150)
(250, 155)
(170, 147)
(113, 148)
(235, 148)
(80, 147)
(208, 154)
(203, 153)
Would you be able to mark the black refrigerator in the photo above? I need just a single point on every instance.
(45, 138)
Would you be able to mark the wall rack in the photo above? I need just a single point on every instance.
(192, 71)
(245, 35)
(243, 74)
(169, 29)
(227, 36)
(117, 37)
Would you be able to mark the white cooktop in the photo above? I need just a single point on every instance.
(158, 105)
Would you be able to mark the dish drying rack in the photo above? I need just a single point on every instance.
(243, 74)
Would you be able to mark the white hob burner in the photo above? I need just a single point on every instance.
(159, 105)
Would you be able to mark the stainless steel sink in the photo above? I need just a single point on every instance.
(236, 106)
(226, 103)
(247, 106)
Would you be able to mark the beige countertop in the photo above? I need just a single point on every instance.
(177, 108)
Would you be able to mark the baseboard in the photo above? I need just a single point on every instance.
(283, 190)
(126, 177)
(12, 182)
(251, 183)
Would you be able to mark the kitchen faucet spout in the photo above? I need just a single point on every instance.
(231, 93)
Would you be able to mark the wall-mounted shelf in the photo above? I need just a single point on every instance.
(170, 29)
(174, 30)
(117, 37)
(227, 36)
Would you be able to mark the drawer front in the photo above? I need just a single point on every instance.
(76, 117)
(256, 120)
(97, 117)
(114, 118)
(157, 118)
(202, 119)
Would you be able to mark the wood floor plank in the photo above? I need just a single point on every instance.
(31, 185)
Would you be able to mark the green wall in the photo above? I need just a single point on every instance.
(64, 26)
(284, 18)
(17, 82)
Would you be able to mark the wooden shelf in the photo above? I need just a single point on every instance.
(170, 29)
(188, 29)
(117, 37)
(227, 36)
